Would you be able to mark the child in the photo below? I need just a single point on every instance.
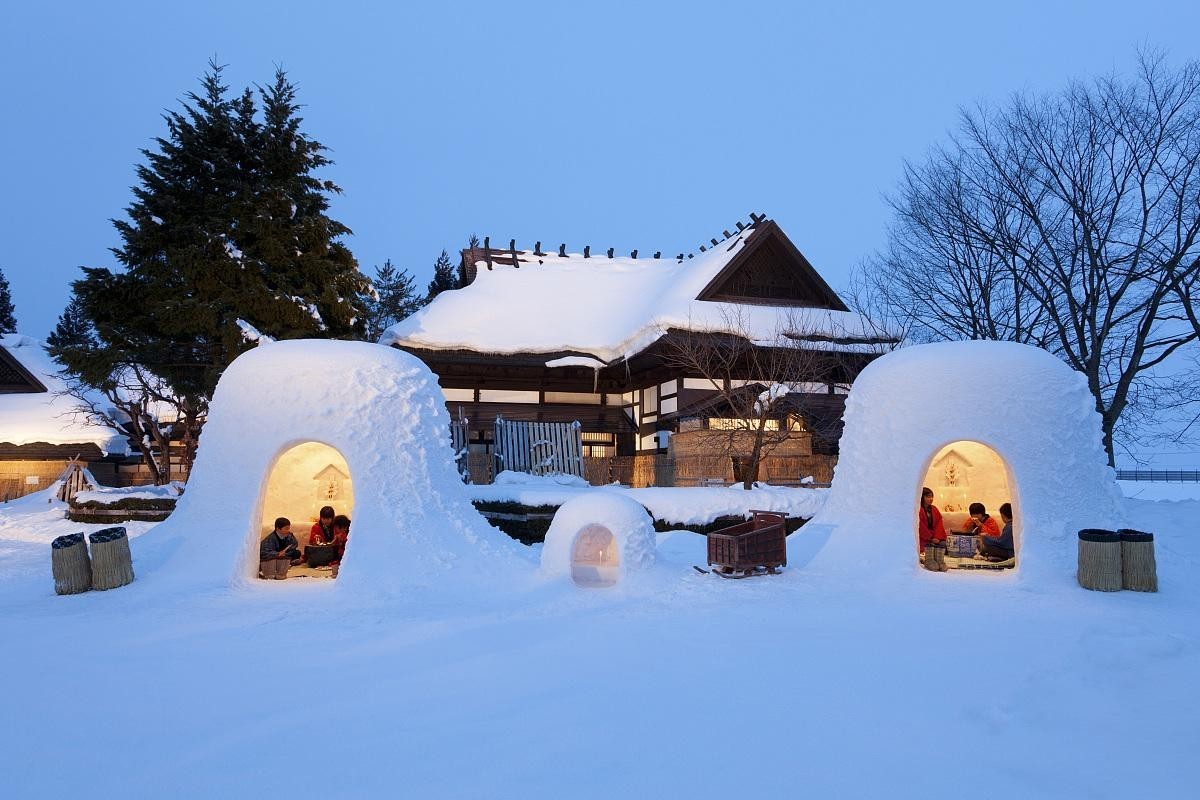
(278, 551)
(322, 529)
(1000, 546)
(929, 521)
(980, 522)
(341, 532)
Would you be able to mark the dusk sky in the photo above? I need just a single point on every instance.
(639, 125)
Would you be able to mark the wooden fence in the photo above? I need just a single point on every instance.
(540, 448)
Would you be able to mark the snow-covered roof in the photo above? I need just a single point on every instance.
(47, 416)
(610, 308)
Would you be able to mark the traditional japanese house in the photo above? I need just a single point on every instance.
(40, 432)
(543, 334)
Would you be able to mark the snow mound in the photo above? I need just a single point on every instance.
(510, 477)
(587, 530)
(114, 494)
(382, 412)
(1034, 411)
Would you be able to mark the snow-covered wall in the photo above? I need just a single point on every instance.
(1020, 401)
(381, 409)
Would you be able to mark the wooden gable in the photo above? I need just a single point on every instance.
(771, 271)
(14, 378)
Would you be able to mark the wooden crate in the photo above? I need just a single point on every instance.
(760, 542)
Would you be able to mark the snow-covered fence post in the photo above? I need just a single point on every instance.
(1099, 560)
(70, 564)
(1139, 571)
(112, 563)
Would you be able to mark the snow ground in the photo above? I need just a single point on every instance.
(910, 685)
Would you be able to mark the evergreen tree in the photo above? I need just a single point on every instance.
(228, 223)
(443, 277)
(73, 331)
(395, 298)
(8, 322)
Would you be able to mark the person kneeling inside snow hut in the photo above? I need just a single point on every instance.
(322, 529)
(341, 532)
(980, 523)
(929, 520)
(1000, 546)
(278, 551)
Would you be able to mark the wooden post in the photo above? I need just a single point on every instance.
(1099, 560)
(70, 565)
(1139, 571)
(112, 563)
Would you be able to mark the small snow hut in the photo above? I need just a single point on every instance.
(299, 424)
(983, 422)
(598, 539)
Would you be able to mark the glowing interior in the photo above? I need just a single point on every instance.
(968, 472)
(594, 557)
(305, 478)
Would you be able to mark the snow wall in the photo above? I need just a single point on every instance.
(1022, 402)
(625, 520)
(382, 411)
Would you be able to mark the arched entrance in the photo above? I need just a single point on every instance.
(595, 559)
(304, 479)
(963, 474)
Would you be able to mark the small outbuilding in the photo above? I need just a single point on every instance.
(297, 425)
(41, 430)
(986, 422)
(599, 539)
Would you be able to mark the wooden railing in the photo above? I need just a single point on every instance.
(1160, 475)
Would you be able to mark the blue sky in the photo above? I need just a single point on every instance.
(639, 125)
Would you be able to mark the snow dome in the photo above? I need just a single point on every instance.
(987, 422)
(296, 425)
(598, 539)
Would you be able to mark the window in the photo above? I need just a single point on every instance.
(670, 387)
(668, 406)
(461, 395)
(573, 397)
(506, 396)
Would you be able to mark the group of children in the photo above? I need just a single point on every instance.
(994, 543)
(279, 550)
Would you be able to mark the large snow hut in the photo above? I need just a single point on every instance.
(986, 422)
(299, 424)
(551, 336)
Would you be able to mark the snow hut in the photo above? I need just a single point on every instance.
(299, 424)
(986, 422)
(598, 539)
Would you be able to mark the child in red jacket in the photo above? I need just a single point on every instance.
(980, 523)
(929, 520)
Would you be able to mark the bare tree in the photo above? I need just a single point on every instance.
(752, 373)
(1069, 222)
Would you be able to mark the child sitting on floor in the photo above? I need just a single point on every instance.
(1001, 546)
(278, 551)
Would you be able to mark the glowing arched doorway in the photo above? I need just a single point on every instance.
(960, 474)
(594, 557)
(304, 479)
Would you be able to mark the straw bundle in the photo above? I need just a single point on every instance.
(1099, 560)
(70, 565)
(112, 564)
(1139, 571)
